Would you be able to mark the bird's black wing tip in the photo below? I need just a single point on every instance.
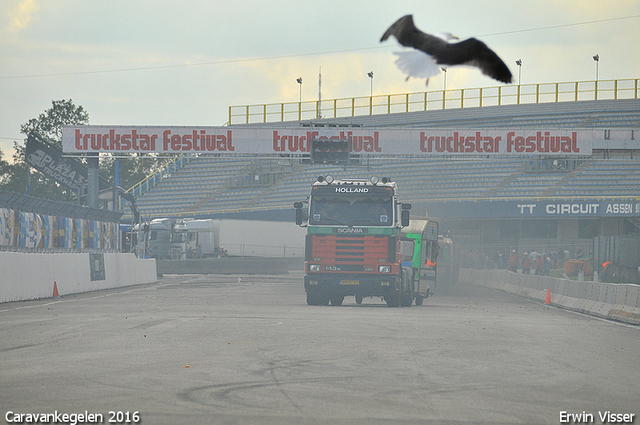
(397, 27)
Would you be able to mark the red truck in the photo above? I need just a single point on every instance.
(353, 242)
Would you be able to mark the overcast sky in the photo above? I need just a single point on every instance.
(144, 62)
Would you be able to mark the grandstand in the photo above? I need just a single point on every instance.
(214, 186)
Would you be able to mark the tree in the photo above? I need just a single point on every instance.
(4, 169)
(15, 177)
(133, 168)
(19, 177)
(49, 124)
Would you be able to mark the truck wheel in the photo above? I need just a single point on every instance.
(406, 300)
(419, 299)
(312, 299)
(336, 299)
(393, 299)
(358, 299)
(406, 297)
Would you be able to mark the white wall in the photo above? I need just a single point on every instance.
(617, 301)
(28, 276)
(258, 238)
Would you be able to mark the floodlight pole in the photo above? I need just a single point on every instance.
(444, 81)
(299, 80)
(597, 59)
(519, 63)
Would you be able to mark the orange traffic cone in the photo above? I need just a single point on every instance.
(547, 300)
(55, 290)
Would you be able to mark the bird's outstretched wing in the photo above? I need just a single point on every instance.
(468, 52)
(407, 34)
(475, 53)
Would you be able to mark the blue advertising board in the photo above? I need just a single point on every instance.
(623, 207)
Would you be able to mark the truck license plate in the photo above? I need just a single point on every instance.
(350, 282)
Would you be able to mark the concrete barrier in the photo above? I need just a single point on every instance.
(615, 301)
(230, 265)
(27, 276)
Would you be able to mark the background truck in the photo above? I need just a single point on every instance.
(202, 238)
(177, 239)
(420, 248)
(353, 242)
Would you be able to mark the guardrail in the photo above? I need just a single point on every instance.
(436, 100)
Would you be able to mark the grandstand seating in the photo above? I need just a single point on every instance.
(203, 187)
(214, 185)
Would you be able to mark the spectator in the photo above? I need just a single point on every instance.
(526, 264)
(546, 267)
(483, 259)
(605, 270)
(539, 264)
(513, 261)
(497, 260)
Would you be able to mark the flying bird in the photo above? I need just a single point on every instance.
(433, 51)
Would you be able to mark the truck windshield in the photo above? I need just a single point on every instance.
(351, 211)
(179, 237)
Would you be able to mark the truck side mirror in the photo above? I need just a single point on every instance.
(404, 218)
(299, 216)
(299, 213)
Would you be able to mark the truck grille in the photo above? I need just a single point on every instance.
(350, 249)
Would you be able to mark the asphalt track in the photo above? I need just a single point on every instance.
(210, 349)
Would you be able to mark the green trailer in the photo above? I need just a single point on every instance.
(419, 245)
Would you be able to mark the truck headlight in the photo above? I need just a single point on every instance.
(314, 267)
(384, 269)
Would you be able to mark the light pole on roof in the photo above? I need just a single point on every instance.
(299, 80)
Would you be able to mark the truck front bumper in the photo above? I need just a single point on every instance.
(351, 284)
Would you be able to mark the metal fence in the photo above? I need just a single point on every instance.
(436, 100)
